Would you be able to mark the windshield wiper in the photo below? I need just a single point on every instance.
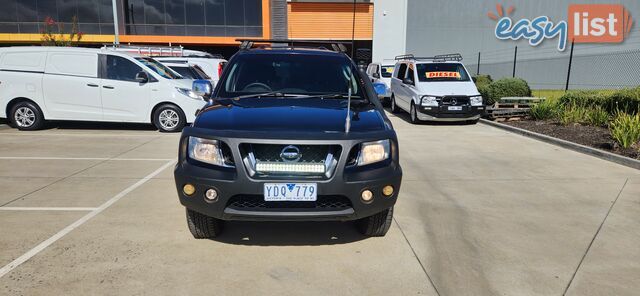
(335, 96)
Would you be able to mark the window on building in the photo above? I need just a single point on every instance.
(28, 16)
(236, 18)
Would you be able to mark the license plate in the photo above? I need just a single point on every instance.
(455, 108)
(290, 191)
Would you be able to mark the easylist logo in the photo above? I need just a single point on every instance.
(587, 23)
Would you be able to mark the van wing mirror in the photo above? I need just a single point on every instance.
(142, 77)
(475, 79)
(407, 81)
(202, 88)
(376, 75)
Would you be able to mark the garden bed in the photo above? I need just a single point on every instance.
(592, 136)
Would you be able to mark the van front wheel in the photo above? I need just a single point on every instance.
(169, 118)
(26, 116)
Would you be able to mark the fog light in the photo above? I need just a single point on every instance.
(211, 194)
(366, 196)
(387, 190)
(188, 189)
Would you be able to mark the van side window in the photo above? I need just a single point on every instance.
(401, 71)
(119, 68)
(411, 75)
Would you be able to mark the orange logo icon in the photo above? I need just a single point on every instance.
(598, 23)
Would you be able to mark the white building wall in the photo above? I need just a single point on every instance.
(389, 29)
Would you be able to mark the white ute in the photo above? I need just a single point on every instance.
(85, 84)
(381, 73)
(435, 88)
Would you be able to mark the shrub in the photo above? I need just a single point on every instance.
(582, 98)
(507, 87)
(546, 109)
(597, 116)
(572, 114)
(483, 80)
(625, 129)
(484, 92)
(627, 100)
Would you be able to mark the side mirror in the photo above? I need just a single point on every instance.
(142, 77)
(376, 75)
(407, 81)
(380, 88)
(202, 88)
(475, 79)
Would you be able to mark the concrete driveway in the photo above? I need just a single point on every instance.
(88, 210)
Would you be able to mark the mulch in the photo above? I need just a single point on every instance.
(592, 136)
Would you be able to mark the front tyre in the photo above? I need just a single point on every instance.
(394, 107)
(414, 114)
(26, 116)
(169, 118)
(202, 226)
(376, 225)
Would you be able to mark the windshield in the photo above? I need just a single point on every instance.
(290, 74)
(160, 69)
(387, 71)
(442, 72)
(186, 72)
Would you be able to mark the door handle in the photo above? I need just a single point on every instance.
(108, 86)
(403, 85)
(92, 85)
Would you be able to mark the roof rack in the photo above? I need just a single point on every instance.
(162, 51)
(456, 57)
(246, 44)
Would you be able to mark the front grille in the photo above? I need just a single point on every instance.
(290, 160)
(257, 203)
(310, 153)
(455, 101)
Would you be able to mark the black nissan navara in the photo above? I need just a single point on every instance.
(291, 134)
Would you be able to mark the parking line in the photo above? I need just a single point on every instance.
(46, 209)
(81, 135)
(81, 158)
(43, 245)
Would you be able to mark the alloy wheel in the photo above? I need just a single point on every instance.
(24, 117)
(169, 119)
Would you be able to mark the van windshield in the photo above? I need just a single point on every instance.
(437, 72)
(387, 71)
(160, 69)
(290, 74)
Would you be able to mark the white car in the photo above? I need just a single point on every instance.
(435, 89)
(381, 73)
(85, 84)
(188, 71)
(212, 66)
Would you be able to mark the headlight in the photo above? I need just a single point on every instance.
(205, 150)
(476, 101)
(372, 152)
(429, 101)
(189, 93)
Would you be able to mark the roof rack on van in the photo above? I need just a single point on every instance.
(456, 57)
(246, 44)
(162, 51)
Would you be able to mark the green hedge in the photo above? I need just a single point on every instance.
(483, 80)
(506, 87)
(626, 100)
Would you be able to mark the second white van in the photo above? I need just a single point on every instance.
(84, 84)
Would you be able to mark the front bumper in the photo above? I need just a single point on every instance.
(442, 113)
(235, 183)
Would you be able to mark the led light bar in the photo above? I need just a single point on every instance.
(289, 167)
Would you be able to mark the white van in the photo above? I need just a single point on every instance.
(381, 73)
(84, 84)
(435, 89)
(212, 66)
